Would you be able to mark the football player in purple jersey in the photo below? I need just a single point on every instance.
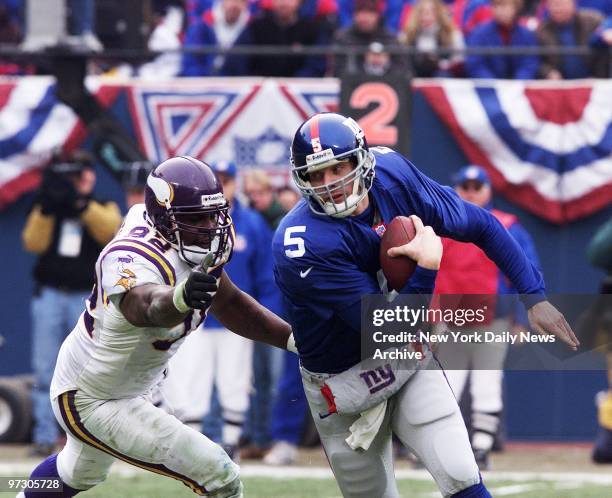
(154, 283)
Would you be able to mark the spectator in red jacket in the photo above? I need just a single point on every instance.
(465, 269)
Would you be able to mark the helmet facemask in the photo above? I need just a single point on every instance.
(217, 238)
(359, 180)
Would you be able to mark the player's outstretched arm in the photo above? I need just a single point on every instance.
(503, 249)
(164, 306)
(151, 306)
(244, 316)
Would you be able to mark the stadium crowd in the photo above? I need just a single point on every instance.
(438, 31)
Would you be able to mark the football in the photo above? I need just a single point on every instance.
(397, 270)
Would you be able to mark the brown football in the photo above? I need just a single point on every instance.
(397, 270)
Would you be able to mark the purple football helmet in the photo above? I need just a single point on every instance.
(185, 203)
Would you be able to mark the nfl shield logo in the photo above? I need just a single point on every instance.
(380, 229)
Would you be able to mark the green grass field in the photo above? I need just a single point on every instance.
(152, 486)
(524, 470)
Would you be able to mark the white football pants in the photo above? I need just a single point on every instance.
(423, 415)
(135, 431)
(206, 358)
(484, 363)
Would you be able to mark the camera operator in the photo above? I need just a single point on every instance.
(66, 228)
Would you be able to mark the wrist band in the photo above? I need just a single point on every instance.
(178, 298)
(291, 344)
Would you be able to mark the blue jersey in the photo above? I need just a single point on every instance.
(323, 265)
(524, 240)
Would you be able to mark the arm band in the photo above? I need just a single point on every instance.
(178, 298)
(291, 344)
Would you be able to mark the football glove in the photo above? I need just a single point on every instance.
(197, 290)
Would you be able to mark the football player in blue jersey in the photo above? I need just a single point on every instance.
(326, 255)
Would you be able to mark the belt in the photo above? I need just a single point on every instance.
(316, 378)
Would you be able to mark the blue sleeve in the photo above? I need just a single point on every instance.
(525, 241)
(266, 291)
(483, 229)
(422, 281)
(528, 65)
(476, 65)
(452, 217)
(198, 35)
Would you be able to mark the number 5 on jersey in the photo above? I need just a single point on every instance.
(297, 242)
